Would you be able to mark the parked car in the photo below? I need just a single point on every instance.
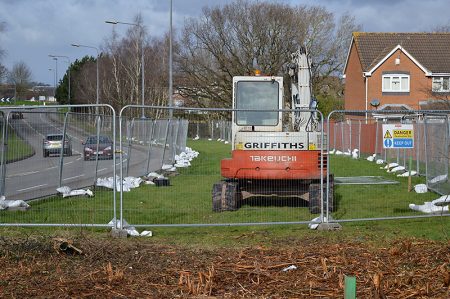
(105, 147)
(52, 144)
(17, 115)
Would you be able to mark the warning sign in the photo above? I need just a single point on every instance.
(387, 134)
(398, 136)
(403, 134)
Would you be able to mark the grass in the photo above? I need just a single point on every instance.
(21, 103)
(188, 201)
(17, 147)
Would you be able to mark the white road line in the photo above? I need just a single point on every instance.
(103, 169)
(18, 190)
(21, 174)
(74, 177)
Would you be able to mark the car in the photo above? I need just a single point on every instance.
(105, 147)
(17, 115)
(52, 144)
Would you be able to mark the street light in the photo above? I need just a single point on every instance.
(170, 64)
(98, 56)
(56, 70)
(70, 63)
(142, 57)
(54, 81)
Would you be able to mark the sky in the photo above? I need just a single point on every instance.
(37, 28)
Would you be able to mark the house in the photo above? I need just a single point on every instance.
(397, 71)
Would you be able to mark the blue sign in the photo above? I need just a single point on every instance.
(388, 143)
(403, 143)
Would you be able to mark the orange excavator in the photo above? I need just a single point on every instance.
(275, 155)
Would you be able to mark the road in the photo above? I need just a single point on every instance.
(37, 176)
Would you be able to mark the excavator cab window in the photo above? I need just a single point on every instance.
(257, 95)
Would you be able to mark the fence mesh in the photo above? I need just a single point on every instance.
(437, 153)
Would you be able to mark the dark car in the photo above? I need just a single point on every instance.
(52, 144)
(105, 148)
(17, 115)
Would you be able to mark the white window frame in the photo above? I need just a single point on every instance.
(440, 80)
(392, 77)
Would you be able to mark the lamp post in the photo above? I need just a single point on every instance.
(69, 62)
(56, 71)
(142, 58)
(54, 81)
(170, 64)
(98, 56)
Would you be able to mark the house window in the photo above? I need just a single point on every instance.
(395, 83)
(441, 84)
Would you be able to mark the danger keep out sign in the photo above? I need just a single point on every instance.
(398, 136)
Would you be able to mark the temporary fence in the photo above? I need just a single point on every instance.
(437, 152)
(372, 179)
(45, 148)
(194, 195)
(182, 163)
(211, 129)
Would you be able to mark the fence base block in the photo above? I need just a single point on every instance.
(329, 226)
(119, 233)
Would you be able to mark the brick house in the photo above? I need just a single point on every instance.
(400, 70)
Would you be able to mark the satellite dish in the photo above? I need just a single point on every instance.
(375, 103)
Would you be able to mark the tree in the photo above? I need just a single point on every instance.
(20, 75)
(83, 79)
(226, 41)
(3, 69)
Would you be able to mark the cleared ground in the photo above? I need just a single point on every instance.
(112, 268)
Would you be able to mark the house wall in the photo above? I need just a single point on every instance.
(420, 85)
(355, 90)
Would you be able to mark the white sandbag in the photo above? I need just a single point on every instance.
(67, 192)
(429, 208)
(6, 204)
(406, 174)
(439, 178)
(420, 188)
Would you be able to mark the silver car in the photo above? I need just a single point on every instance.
(52, 144)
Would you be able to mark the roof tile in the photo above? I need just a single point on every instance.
(432, 50)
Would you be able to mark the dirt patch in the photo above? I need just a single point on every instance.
(107, 268)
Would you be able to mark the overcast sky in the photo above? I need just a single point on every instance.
(37, 28)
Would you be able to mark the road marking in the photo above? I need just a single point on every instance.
(103, 169)
(74, 177)
(18, 190)
(21, 174)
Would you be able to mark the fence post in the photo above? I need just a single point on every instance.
(4, 149)
(98, 121)
(130, 130)
(359, 139)
(376, 139)
(425, 139)
(165, 141)
(350, 135)
(150, 146)
(418, 146)
(61, 157)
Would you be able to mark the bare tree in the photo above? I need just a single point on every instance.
(122, 83)
(226, 41)
(20, 75)
(441, 28)
(3, 69)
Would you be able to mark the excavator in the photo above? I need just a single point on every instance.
(275, 154)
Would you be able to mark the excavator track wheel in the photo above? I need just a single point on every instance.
(226, 196)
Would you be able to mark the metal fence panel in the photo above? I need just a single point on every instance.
(367, 190)
(35, 166)
(437, 154)
(186, 197)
